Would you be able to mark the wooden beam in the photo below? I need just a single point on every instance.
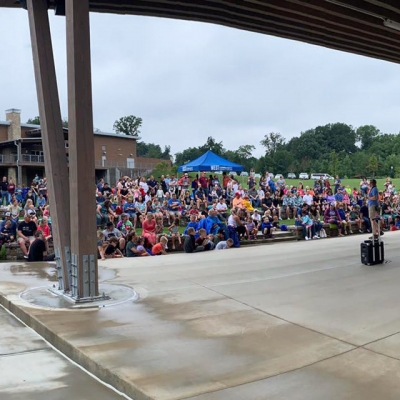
(81, 150)
(52, 132)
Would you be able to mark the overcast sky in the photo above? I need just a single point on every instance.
(190, 80)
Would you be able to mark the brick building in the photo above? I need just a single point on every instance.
(21, 152)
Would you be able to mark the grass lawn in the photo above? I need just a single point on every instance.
(310, 182)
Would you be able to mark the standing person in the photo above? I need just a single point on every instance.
(373, 209)
(11, 189)
(337, 183)
(26, 231)
(5, 196)
(203, 183)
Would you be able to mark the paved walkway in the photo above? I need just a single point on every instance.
(32, 370)
(298, 321)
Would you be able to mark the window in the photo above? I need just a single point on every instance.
(130, 163)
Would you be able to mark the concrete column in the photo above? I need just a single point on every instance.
(81, 150)
(14, 130)
(12, 174)
(52, 134)
(24, 177)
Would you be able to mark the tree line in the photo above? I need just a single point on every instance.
(337, 149)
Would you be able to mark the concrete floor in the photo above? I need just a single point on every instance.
(31, 369)
(303, 320)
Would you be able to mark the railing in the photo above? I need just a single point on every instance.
(8, 158)
(121, 164)
(31, 158)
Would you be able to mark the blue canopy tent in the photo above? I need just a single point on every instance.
(210, 161)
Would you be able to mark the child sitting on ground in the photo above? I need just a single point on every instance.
(190, 242)
(111, 250)
(160, 248)
(204, 241)
(101, 245)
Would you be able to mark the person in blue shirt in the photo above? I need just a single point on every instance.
(339, 196)
(271, 185)
(130, 209)
(174, 206)
(373, 209)
(192, 224)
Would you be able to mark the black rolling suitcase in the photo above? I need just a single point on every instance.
(372, 252)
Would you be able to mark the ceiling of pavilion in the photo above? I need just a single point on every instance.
(355, 26)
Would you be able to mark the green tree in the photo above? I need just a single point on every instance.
(373, 165)
(272, 142)
(213, 145)
(366, 135)
(164, 168)
(129, 125)
(36, 121)
(333, 163)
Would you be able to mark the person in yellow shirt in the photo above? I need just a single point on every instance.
(247, 204)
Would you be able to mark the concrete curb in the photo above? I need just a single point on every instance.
(104, 374)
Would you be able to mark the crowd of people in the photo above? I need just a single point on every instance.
(33, 232)
(217, 209)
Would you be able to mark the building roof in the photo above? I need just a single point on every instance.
(7, 123)
(367, 27)
(37, 132)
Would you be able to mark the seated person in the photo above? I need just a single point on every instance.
(222, 209)
(256, 217)
(190, 245)
(26, 231)
(174, 205)
(45, 228)
(192, 224)
(124, 225)
(112, 231)
(112, 250)
(131, 247)
(6, 234)
(101, 245)
(204, 241)
(212, 223)
(247, 204)
(266, 226)
(160, 248)
(174, 233)
(251, 229)
(237, 201)
(37, 249)
(8, 217)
